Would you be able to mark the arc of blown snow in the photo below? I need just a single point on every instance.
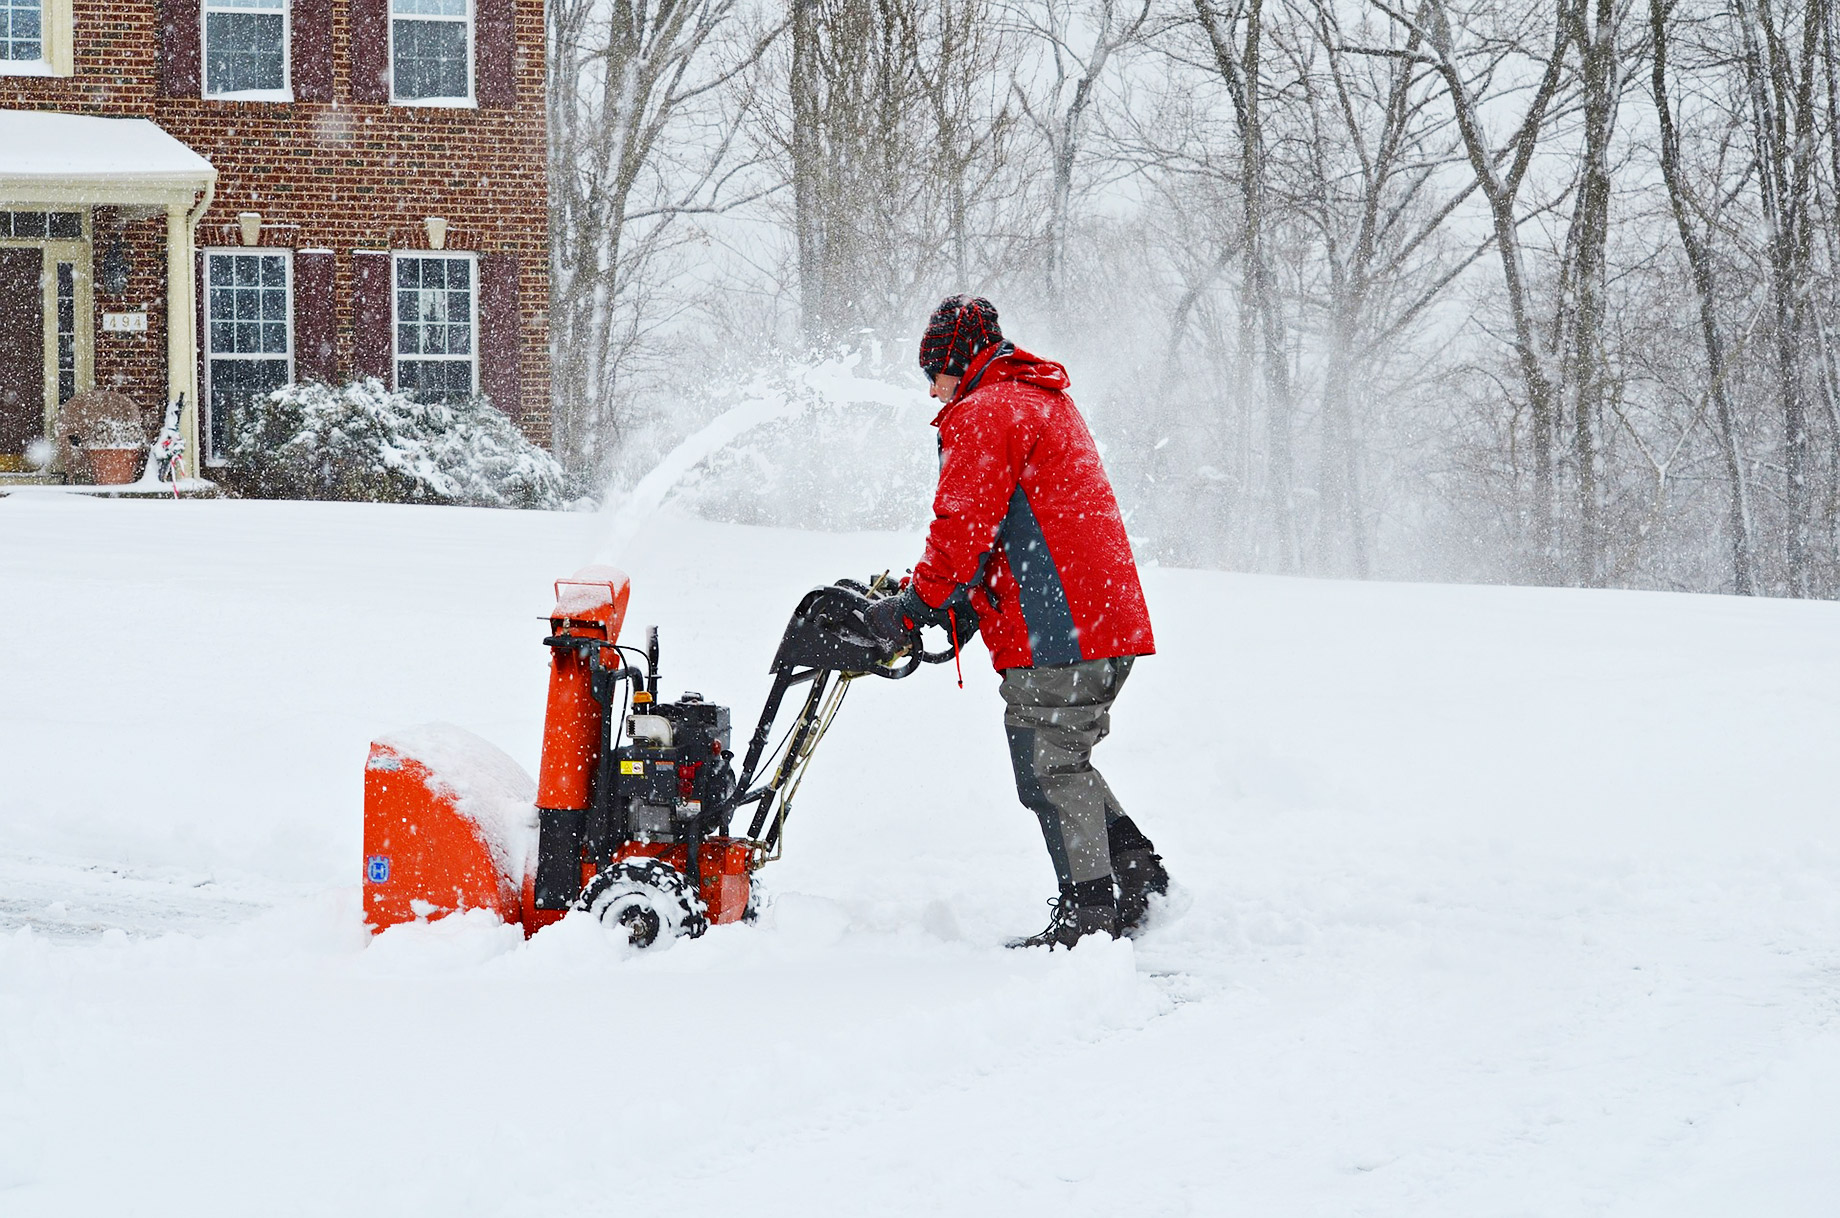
(831, 384)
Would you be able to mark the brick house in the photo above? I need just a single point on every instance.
(211, 198)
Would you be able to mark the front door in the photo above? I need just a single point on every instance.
(22, 354)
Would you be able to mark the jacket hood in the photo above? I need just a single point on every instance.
(1007, 362)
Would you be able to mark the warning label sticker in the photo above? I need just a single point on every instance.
(632, 767)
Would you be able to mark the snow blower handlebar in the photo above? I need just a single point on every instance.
(827, 644)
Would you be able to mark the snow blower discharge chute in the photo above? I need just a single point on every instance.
(631, 816)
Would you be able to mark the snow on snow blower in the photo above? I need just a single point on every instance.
(631, 816)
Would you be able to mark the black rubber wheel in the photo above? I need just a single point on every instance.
(645, 899)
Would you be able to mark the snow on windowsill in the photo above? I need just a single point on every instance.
(437, 103)
(27, 67)
(253, 95)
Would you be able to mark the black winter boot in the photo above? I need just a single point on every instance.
(1140, 876)
(1089, 909)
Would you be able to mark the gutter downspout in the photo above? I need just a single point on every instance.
(181, 341)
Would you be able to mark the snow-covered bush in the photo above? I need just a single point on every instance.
(362, 441)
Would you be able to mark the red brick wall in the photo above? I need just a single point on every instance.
(340, 176)
(134, 364)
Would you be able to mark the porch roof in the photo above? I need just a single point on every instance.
(53, 159)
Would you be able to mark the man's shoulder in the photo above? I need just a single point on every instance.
(1010, 396)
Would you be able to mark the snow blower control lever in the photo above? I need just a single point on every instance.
(635, 797)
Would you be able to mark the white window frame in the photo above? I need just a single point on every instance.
(284, 94)
(468, 102)
(56, 58)
(472, 300)
(204, 281)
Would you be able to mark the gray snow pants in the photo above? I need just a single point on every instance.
(1054, 716)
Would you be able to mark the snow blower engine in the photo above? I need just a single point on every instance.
(632, 817)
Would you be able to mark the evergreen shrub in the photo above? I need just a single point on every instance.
(360, 441)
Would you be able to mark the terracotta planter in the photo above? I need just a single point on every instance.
(115, 466)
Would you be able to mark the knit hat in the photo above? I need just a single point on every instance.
(959, 328)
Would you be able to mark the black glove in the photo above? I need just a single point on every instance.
(959, 617)
(883, 621)
(892, 620)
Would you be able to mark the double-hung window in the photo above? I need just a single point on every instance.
(431, 51)
(250, 348)
(22, 31)
(35, 37)
(436, 322)
(246, 49)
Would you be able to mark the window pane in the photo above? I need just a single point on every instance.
(28, 224)
(248, 304)
(435, 380)
(434, 316)
(234, 384)
(67, 330)
(430, 59)
(243, 52)
(19, 30)
(66, 224)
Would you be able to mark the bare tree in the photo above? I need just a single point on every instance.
(1501, 188)
(1080, 43)
(896, 137)
(1374, 186)
(1780, 85)
(1261, 307)
(1592, 26)
(1699, 260)
(621, 74)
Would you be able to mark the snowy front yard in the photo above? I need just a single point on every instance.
(1504, 901)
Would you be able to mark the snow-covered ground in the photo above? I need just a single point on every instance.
(1504, 902)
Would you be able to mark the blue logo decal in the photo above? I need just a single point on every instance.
(377, 868)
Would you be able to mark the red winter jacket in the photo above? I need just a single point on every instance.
(1024, 512)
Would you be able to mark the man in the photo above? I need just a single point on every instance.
(1027, 546)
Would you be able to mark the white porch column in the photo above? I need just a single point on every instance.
(181, 342)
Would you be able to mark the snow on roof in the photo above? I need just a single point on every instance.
(42, 147)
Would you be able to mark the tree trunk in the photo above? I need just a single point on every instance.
(1699, 262)
(1594, 30)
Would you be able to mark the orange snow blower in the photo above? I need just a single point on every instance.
(631, 815)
